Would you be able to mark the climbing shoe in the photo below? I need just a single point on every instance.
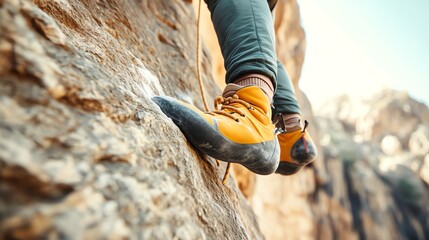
(297, 148)
(239, 130)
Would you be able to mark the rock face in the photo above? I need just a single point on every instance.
(386, 190)
(84, 153)
(388, 113)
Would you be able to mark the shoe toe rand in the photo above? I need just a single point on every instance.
(262, 158)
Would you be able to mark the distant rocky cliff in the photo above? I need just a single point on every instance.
(377, 153)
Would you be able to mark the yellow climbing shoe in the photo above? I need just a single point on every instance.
(238, 131)
(297, 148)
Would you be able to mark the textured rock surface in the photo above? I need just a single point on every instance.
(419, 140)
(84, 153)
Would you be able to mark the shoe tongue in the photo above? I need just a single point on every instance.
(251, 94)
(231, 89)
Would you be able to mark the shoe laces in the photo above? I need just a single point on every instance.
(224, 106)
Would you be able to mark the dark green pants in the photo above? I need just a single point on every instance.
(246, 36)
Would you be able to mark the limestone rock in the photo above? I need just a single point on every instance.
(385, 193)
(346, 109)
(424, 172)
(290, 38)
(379, 115)
(84, 153)
(391, 145)
(389, 112)
(419, 141)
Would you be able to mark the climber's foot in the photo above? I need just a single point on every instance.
(297, 148)
(238, 131)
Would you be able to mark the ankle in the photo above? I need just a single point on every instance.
(290, 121)
(259, 80)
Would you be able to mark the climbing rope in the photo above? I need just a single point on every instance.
(200, 82)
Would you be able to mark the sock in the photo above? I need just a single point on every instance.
(290, 121)
(259, 80)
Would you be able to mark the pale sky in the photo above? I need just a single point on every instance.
(356, 47)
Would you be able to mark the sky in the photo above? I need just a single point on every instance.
(358, 47)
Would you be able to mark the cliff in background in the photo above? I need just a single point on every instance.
(377, 155)
(84, 153)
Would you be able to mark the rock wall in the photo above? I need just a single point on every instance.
(84, 153)
(386, 191)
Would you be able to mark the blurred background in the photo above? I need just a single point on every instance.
(356, 47)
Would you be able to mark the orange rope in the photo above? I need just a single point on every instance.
(225, 177)
(200, 81)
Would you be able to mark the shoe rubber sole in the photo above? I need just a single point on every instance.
(261, 158)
